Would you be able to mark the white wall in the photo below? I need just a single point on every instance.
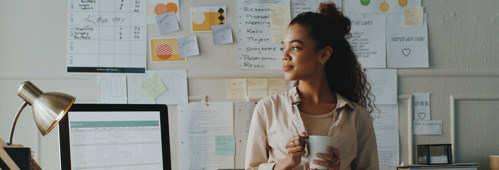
(464, 60)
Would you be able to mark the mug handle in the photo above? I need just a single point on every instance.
(307, 148)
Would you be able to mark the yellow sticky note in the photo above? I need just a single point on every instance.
(276, 85)
(153, 87)
(257, 88)
(413, 15)
(236, 88)
(280, 16)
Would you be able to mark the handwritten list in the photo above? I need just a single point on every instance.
(256, 49)
(106, 36)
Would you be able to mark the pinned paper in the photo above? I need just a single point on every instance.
(222, 34)
(225, 145)
(413, 15)
(406, 46)
(160, 7)
(153, 87)
(188, 46)
(428, 127)
(202, 18)
(236, 88)
(257, 88)
(167, 23)
(276, 85)
(280, 17)
(164, 50)
(421, 105)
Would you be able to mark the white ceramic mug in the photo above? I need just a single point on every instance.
(318, 144)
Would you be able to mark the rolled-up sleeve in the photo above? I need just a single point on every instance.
(257, 150)
(367, 150)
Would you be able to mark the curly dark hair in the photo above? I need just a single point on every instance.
(329, 27)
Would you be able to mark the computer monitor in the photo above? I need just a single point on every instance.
(115, 136)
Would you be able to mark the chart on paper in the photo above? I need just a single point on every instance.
(106, 36)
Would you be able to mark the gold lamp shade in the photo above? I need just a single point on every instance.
(48, 108)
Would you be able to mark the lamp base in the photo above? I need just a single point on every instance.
(16, 157)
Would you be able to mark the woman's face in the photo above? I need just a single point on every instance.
(301, 60)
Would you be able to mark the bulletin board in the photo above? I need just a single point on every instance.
(449, 70)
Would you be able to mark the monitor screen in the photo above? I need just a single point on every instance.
(115, 136)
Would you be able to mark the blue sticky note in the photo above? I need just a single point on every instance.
(225, 145)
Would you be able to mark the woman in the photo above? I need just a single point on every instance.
(330, 98)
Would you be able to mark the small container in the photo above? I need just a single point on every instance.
(434, 154)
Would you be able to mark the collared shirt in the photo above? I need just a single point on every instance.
(277, 118)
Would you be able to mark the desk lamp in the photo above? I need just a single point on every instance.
(48, 109)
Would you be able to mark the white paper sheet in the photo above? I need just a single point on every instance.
(368, 39)
(236, 88)
(135, 93)
(188, 46)
(387, 135)
(421, 105)
(383, 85)
(300, 6)
(198, 124)
(112, 89)
(106, 37)
(407, 46)
(428, 127)
(243, 114)
(167, 23)
(222, 34)
(256, 50)
(176, 85)
(379, 6)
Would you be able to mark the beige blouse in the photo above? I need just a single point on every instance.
(277, 118)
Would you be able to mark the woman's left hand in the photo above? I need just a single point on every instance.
(333, 161)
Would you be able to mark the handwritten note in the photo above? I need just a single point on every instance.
(225, 145)
(368, 39)
(276, 85)
(236, 88)
(222, 34)
(153, 87)
(106, 37)
(407, 46)
(256, 49)
(428, 127)
(167, 23)
(413, 16)
(188, 46)
(257, 88)
(280, 17)
(300, 6)
(198, 125)
(421, 105)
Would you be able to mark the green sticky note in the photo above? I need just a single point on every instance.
(153, 87)
(225, 145)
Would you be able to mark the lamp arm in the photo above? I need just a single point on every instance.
(15, 121)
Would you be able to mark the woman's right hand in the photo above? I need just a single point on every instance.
(296, 149)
